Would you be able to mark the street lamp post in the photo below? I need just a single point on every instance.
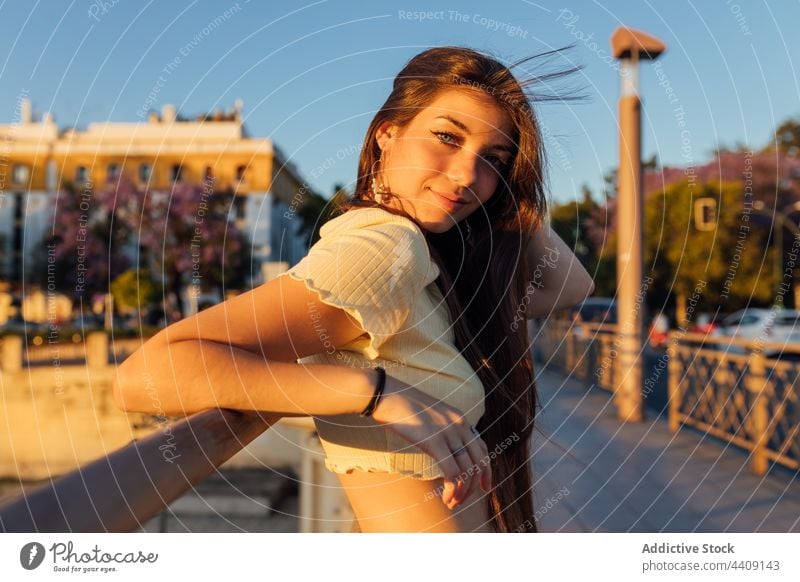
(629, 46)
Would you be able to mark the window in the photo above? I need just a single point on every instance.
(145, 172)
(113, 171)
(176, 173)
(240, 173)
(209, 174)
(81, 174)
(20, 174)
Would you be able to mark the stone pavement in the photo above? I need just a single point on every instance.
(594, 473)
(234, 500)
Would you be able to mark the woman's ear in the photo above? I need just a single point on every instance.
(384, 135)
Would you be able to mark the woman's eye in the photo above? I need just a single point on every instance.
(498, 164)
(445, 138)
(449, 139)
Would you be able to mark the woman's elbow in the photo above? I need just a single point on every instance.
(576, 291)
(590, 289)
(126, 393)
(123, 399)
(133, 387)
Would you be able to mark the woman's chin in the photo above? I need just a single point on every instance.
(437, 220)
(437, 226)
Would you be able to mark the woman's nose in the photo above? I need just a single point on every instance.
(464, 168)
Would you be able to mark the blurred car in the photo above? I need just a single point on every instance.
(85, 321)
(788, 323)
(594, 310)
(707, 322)
(602, 310)
(769, 325)
(18, 325)
(658, 330)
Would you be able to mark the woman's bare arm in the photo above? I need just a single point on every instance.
(557, 278)
(193, 375)
(241, 354)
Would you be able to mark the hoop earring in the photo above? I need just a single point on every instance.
(379, 192)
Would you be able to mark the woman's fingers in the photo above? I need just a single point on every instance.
(477, 457)
(474, 476)
(442, 432)
(449, 467)
(485, 462)
(471, 456)
(462, 459)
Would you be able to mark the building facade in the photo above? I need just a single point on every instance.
(38, 158)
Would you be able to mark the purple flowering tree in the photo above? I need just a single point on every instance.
(182, 236)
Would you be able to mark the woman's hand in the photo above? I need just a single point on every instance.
(438, 429)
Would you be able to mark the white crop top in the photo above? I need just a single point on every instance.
(376, 266)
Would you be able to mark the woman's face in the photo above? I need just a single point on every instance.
(448, 160)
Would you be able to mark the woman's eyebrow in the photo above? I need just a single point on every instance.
(461, 126)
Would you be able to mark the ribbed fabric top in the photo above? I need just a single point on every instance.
(376, 266)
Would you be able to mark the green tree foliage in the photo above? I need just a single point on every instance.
(787, 138)
(733, 262)
(134, 290)
(313, 214)
(585, 226)
(569, 222)
(576, 223)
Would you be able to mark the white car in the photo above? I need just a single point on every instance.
(765, 325)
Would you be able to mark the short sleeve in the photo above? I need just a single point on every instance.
(371, 264)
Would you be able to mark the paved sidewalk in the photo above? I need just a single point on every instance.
(234, 500)
(616, 477)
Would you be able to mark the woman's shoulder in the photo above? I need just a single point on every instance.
(377, 236)
(370, 217)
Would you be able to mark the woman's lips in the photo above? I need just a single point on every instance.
(450, 200)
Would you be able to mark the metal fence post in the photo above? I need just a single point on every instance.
(11, 354)
(673, 383)
(756, 384)
(570, 363)
(97, 349)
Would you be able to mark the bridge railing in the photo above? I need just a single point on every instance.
(728, 388)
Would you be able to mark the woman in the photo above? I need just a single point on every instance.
(403, 332)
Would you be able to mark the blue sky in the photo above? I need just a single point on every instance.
(312, 74)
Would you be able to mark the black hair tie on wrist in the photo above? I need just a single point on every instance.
(373, 403)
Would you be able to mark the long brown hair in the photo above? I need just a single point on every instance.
(484, 300)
